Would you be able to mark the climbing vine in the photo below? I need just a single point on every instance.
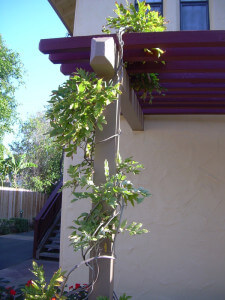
(141, 20)
(76, 111)
(91, 228)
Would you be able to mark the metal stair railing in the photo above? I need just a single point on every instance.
(46, 216)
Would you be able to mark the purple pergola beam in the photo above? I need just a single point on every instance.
(193, 78)
(68, 69)
(183, 88)
(59, 58)
(137, 55)
(187, 102)
(175, 39)
(194, 73)
(151, 67)
(184, 111)
(182, 96)
(63, 45)
(178, 54)
(177, 66)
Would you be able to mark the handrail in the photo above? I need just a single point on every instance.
(46, 216)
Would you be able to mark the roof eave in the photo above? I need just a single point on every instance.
(59, 7)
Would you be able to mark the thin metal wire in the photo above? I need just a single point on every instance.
(94, 275)
(109, 138)
(116, 79)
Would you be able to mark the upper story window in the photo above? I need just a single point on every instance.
(194, 15)
(156, 5)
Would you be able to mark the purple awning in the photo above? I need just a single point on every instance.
(194, 73)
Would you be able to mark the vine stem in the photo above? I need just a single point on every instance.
(87, 261)
(118, 227)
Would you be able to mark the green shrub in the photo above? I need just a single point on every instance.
(20, 224)
(13, 225)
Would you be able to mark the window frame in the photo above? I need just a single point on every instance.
(195, 3)
(158, 2)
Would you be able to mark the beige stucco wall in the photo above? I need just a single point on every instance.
(171, 12)
(89, 21)
(70, 212)
(216, 14)
(183, 255)
(90, 16)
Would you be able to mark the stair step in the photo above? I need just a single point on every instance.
(49, 254)
(52, 246)
(56, 236)
(54, 239)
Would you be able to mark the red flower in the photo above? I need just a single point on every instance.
(12, 292)
(53, 298)
(71, 287)
(29, 283)
(77, 285)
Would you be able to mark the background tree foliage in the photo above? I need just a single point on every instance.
(40, 149)
(12, 166)
(11, 70)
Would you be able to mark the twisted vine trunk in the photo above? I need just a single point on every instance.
(104, 268)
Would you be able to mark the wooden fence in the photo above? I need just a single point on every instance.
(13, 202)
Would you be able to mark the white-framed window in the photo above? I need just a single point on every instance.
(194, 15)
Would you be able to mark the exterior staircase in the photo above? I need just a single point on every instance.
(47, 227)
(50, 246)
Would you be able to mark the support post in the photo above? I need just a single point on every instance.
(103, 63)
(106, 150)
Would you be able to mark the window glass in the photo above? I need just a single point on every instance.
(150, 1)
(155, 5)
(194, 1)
(194, 15)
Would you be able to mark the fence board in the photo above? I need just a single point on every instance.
(12, 201)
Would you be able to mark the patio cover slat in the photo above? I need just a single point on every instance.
(194, 73)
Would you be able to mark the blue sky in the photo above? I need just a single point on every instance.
(22, 24)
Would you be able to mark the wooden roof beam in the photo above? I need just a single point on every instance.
(103, 61)
(175, 39)
(184, 111)
(130, 106)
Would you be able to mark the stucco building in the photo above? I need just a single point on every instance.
(183, 256)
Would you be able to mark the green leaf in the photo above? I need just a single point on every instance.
(100, 127)
(123, 224)
(106, 168)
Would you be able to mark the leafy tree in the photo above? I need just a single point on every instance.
(13, 166)
(42, 150)
(141, 20)
(3, 165)
(11, 70)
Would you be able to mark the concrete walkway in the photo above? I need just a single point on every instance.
(16, 259)
(15, 248)
(20, 273)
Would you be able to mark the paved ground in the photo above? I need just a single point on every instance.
(20, 273)
(15, 248)
(16, 259)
